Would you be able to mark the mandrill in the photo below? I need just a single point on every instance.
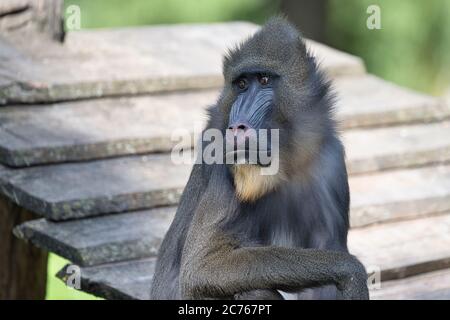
(241, 234)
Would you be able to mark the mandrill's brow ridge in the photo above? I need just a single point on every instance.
(253, 70)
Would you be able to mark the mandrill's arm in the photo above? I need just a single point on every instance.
(225, 271)
(215, 266)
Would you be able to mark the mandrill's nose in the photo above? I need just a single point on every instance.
(239, 135)
(238, 128)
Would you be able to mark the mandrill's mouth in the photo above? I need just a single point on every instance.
(245, 147)
(245, 156)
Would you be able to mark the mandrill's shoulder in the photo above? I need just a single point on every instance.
(331, 159)
(330, 175)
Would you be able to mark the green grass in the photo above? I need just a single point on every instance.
(56, 289)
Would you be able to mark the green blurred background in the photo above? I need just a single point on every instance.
(410, 49)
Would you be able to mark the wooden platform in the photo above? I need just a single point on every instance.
(98, 171)
(130, 61)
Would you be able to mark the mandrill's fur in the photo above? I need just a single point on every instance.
(250, 184)
(239, 234)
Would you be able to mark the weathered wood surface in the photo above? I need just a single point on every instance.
(75, 190)
(126, 280)
(384, 104)
(98, 128)
(132, 280)
(23, 267)
(399, 146)
(399, 194)
(67, 191)
(97, 63)
(400, 249)
(427, 286)
(405, 248)
(101, 128)
(105, 239)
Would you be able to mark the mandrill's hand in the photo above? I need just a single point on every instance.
(353, 280)
(260, 294)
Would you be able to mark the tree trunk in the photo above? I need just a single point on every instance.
(308, 15)
(44, 17)
(23, 267)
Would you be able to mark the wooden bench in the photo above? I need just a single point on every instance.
(98, 171)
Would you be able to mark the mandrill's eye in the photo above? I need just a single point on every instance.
(242, 83)
(264, 80)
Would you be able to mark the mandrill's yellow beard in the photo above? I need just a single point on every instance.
(250, 184)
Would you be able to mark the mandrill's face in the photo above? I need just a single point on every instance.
(275, 106)
(250, 117)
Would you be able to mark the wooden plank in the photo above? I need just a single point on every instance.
(100, 128)
(99, 240)
(374, 102)
(394, 147)
(126, 280)
(428, 286)
(399, 194)
(93, 129)
(75, 190)
(98, 63)
(405, 248)
(69, 191)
